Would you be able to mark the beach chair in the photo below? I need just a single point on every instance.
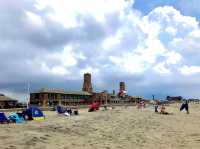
(60, 110)
(3, 118)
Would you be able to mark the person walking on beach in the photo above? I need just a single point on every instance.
(185, 106)
(156, 108)
(163, 111)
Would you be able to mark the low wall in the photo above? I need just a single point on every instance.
(72, 107)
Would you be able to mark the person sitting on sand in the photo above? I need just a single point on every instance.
(141, 104)
(162, 110)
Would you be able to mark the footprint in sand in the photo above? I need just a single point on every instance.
(11, 147)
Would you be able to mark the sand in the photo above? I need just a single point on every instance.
(120, 128)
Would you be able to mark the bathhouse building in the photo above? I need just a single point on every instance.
(7, 102)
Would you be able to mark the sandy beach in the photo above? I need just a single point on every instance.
(120, 128)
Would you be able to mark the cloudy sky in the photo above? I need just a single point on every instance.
(152, 45)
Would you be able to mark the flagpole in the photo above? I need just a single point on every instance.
(28, 92)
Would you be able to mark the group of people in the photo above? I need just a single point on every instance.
(162, 109)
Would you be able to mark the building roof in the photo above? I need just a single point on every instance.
(61, 91)
(137, 97)
(5, 98)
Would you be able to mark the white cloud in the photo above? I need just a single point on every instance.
(189, 70)
(152, 29)
(161, 68)
(34, 19)
(59, 70)
(128, 63)
(67, 12)
(109, 42)
(89, 70)
(54, 70)
(172, 16)
(171, 30)
(195, 33)
(175, 41)
(66, 57)
(63, 60)
(142, 56)
(173, 57)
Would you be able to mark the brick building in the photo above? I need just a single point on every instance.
(52, 97)
(102, 97)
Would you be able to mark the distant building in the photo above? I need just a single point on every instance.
(52, 97)
(7, 102)
(122, 86)
(102, 97)
(194, 100)
(122, 90)
(136, 99)
(174, 98)
(113, 92)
